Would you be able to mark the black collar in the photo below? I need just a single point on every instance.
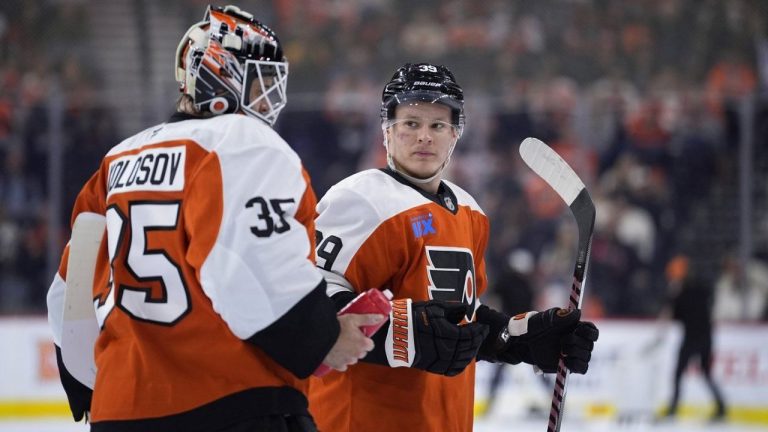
(444, 197)
(180, 116)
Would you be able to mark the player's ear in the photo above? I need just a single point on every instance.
(388, 134)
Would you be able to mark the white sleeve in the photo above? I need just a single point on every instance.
(259, 266)
(55, 300)
(346, 215)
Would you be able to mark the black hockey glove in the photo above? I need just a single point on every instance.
(78, 394)
(538, 338)
(427, 335)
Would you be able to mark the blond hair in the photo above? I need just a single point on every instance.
(185, 104)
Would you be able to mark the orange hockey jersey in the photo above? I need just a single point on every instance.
(377, 230)
(210, 239)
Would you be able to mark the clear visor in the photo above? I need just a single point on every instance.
(414, 125)
(264, 89)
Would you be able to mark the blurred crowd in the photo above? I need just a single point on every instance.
(42, 75)
(645, 100)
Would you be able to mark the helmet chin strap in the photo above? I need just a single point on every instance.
(416, 180)
(391, 164)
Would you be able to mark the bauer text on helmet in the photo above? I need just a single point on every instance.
(424, 82)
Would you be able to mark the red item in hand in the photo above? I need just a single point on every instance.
(372, 301)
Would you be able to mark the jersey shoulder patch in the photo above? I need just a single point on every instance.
(464, 197)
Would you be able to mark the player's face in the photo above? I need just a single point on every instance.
(262, 106)
(421, 137)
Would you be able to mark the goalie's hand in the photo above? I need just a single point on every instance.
(352, 344)
(427, 335)
(538, 338)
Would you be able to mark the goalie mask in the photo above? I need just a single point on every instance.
(422, 83)
(230, 63)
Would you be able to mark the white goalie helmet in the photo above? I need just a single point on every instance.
(230, 63)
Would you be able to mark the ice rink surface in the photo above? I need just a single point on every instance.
(502, 424)
(521, 406)
(497, 423)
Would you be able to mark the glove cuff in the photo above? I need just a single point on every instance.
(498, 336)
(502, 343)
(400, 346)
(517, 329)
(518, 324)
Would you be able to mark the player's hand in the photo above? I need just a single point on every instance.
(443, 346)
(538, 338)
(352, 344)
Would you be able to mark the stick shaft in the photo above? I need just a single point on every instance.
(561, 380)
(548, 165)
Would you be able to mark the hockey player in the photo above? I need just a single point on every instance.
(212, 312)
(407, 229)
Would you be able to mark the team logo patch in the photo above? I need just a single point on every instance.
(423, 225)
(451, 275)
(449, 203)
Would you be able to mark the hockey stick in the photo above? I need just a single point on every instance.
(559, 176)
(80, 328)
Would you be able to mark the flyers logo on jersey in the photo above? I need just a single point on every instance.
(422, 225)
(451, 273)
(155, 169)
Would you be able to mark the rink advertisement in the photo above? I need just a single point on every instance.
(29, 378)
(630, 375)
(634, 367)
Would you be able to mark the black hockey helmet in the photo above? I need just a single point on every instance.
(423, 82)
